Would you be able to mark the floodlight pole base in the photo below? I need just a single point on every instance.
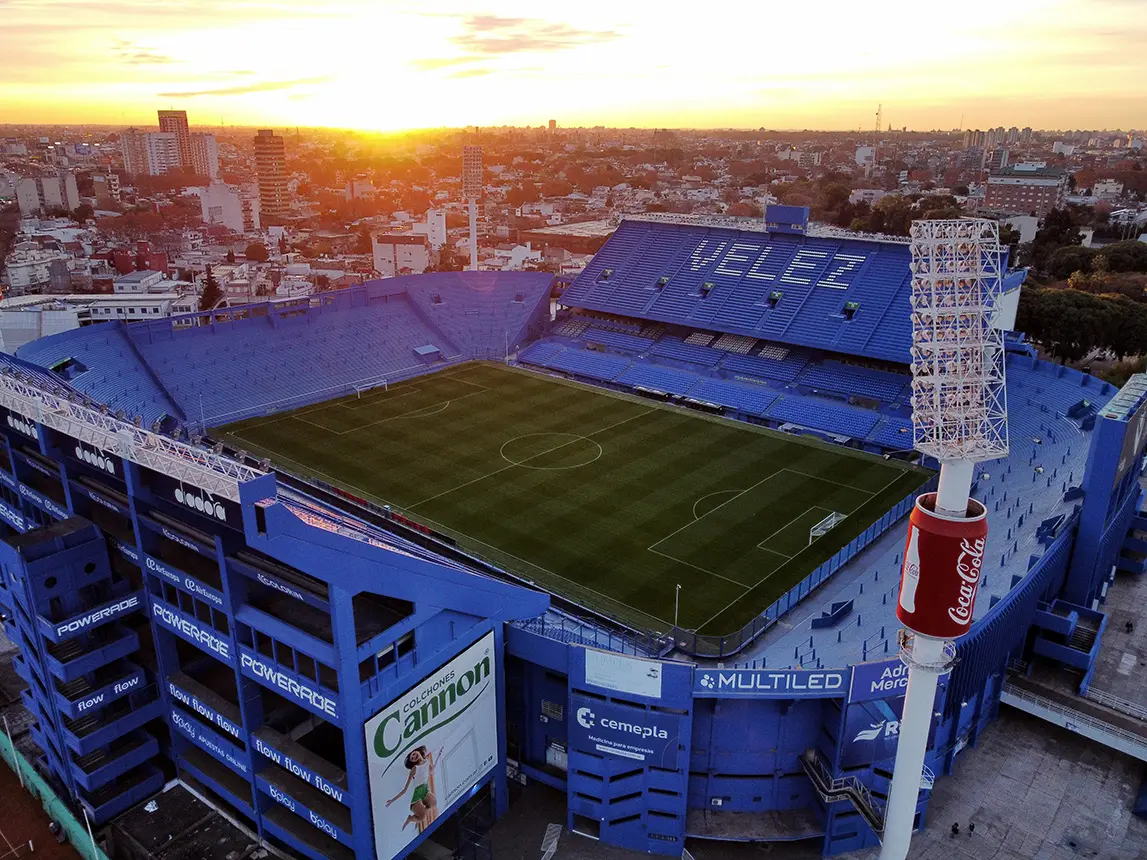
(927, 660)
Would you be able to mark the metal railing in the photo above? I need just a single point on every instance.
(1077, 718)
(68, 413)
(1131, 709)
(832, 788)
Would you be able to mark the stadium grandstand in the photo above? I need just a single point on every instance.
(641, 547)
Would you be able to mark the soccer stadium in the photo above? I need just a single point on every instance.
(357, 567)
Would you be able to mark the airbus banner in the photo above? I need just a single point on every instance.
(883, 679)
(770, 683)
(430, 746)
(648, 737)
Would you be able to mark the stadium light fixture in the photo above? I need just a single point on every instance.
(959, 417)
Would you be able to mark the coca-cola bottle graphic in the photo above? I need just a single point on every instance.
(911, 578)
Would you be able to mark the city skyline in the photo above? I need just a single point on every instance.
(390, 67)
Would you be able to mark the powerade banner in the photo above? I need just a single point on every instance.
(288, 683)
(432, 745)
(96, 617)
(770, 683)
(643, 736)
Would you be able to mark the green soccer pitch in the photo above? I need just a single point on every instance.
(607, 499)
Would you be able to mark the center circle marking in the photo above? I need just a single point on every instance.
(560, 443)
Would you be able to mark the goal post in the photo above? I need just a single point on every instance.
(822, 528)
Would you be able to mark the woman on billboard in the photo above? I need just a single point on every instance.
(423, 803)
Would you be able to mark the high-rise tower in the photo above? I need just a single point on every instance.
(271, 167)
(471, 191)
(175, 122)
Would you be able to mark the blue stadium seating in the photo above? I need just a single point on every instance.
(481, 313)
(723, 279)
(673, 347)
(785, 370)
(628, 342)
(542, 352)
(819, 415)
(660, 378)
(850, 379)
(895, 434)
(116, 373)
(592, 365)
(750, 399)
(227, 365)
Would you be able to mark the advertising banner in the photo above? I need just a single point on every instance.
(940, 576)
(643, 736)
(770, 683)
(882, 679)
(622, 673)
(875, 705)
(288, 683)
(1133, 440)
(431, 745)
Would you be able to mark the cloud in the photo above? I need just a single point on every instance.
(471, 73)
(265, 87)
(495, 35)
(138, 55)
(429, 64)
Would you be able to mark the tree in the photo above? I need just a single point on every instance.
(1067, 323)
(1062, 262)
(1127, 256)
(212, 295)
(230, 257)
(1058, 231)
(283, 243)
(448, 260)
(82, 213)
(257, 252)
(322, 283)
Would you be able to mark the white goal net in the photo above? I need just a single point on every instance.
(822, 528)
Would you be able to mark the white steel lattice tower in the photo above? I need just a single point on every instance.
(471, 191)
(959, 407)
(959, 416)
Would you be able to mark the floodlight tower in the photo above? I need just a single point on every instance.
(959, 417)
(471, 191)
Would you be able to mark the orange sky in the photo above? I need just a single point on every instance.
(385, 65)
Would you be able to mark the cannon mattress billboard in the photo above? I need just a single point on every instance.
(431, 745)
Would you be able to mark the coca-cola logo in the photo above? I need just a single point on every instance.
(968, 566)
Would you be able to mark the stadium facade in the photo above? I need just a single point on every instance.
(346, 682)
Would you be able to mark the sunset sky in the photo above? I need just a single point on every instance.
(388, 65)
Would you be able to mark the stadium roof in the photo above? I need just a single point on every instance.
(587, 229)
(1039, 172)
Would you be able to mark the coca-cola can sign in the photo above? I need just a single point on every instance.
(943, 563)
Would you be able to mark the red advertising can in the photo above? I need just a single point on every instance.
(943, 562)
